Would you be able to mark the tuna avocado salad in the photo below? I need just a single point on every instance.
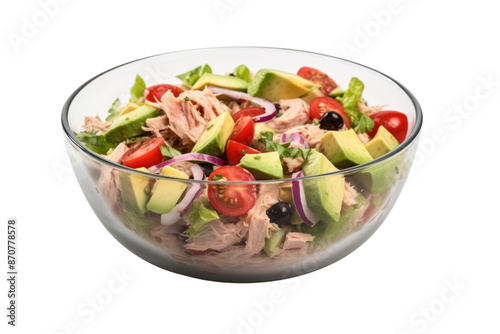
(244, 126)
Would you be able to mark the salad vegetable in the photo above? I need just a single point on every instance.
(240, 127)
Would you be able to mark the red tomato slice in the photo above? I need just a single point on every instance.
(146, 155)
(250, 111)
(243, 130)
(234, 152)
(318, 77)
(322, 104)
(232, 200)
(154, 93)
(394, 121)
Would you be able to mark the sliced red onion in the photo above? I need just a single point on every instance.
(270, 108)
(183, 206)
(299, 200)
(189, 157)
(295, 139)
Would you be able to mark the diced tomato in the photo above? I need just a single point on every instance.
(145, 155)
(243, 130)
(235, 151)
(250, 111)
(232, 200)
(394, 121)
(318, 77)
(155, 93)
(322, 104)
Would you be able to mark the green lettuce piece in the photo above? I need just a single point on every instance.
(114, 111)
(137, 89)
(359, 121)
(95, 142)
(243, 72)
(199, 214)
(190, 77)
(169, 152)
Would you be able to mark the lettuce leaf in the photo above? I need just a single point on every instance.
(114, 111)
(190, 77)
(95, 142)
(243, 72)
(359, 121)
(199, 214)
(137, 89)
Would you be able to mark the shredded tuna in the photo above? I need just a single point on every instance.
(311, 132)
(293, 165)
(364, 108)
(95, 123)
(295, 112)
(218, 236)
(349, 195)
(184, 166)
(364, 137)
(186, 115)
(257, 219)
(297, 240)
(358, 218)
(116, 155)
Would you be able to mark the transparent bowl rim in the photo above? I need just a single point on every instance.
(412, 137)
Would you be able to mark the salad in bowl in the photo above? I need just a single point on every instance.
(246, 173)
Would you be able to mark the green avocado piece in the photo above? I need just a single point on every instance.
(275, 85)
(224, 81)
(213, 140)
(135, 190)
(380, 177)
(344, 149)
(167, 192)
(314, 93)
(271, 246)
(129, 124)
(382, 143)
(323, 194)
(263, 166)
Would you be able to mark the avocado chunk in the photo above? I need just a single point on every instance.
(128, 108)
(167, 192)
(275, 85)
(263, 166)
(344, 149)
(323, 194)
(275, 240)
(314, 93)
(130, 124)
(380, 177)
(224, 81)
(213, 140)
(382, 143)
(135, 190)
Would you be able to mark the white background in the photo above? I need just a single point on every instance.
(443, 231)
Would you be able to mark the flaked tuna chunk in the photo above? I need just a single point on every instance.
(364, 108)
(95, 123)
(364, 137)
(349, 195)
(295, 112)
(257, 219)
(116, 155)
(185, 116)
(218, 236)
(293, 165)
(297, 240)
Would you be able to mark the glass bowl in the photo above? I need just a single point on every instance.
(237, 256)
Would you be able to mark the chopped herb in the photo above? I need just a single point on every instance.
(217, 177)
(209, 127)
(243, 152)
(114, 111)
(136, 139)
(137, 89)
(282, 149)
(315, 121)
(187, 98)
(257, 157)
(169, 152)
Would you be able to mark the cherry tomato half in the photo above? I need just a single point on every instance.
(318, 77)
(250, 111)
(394, 121)
(235, 151)
(146, 155)
(243, 130)
(232, 200)
(154, 93)
(322, 104)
